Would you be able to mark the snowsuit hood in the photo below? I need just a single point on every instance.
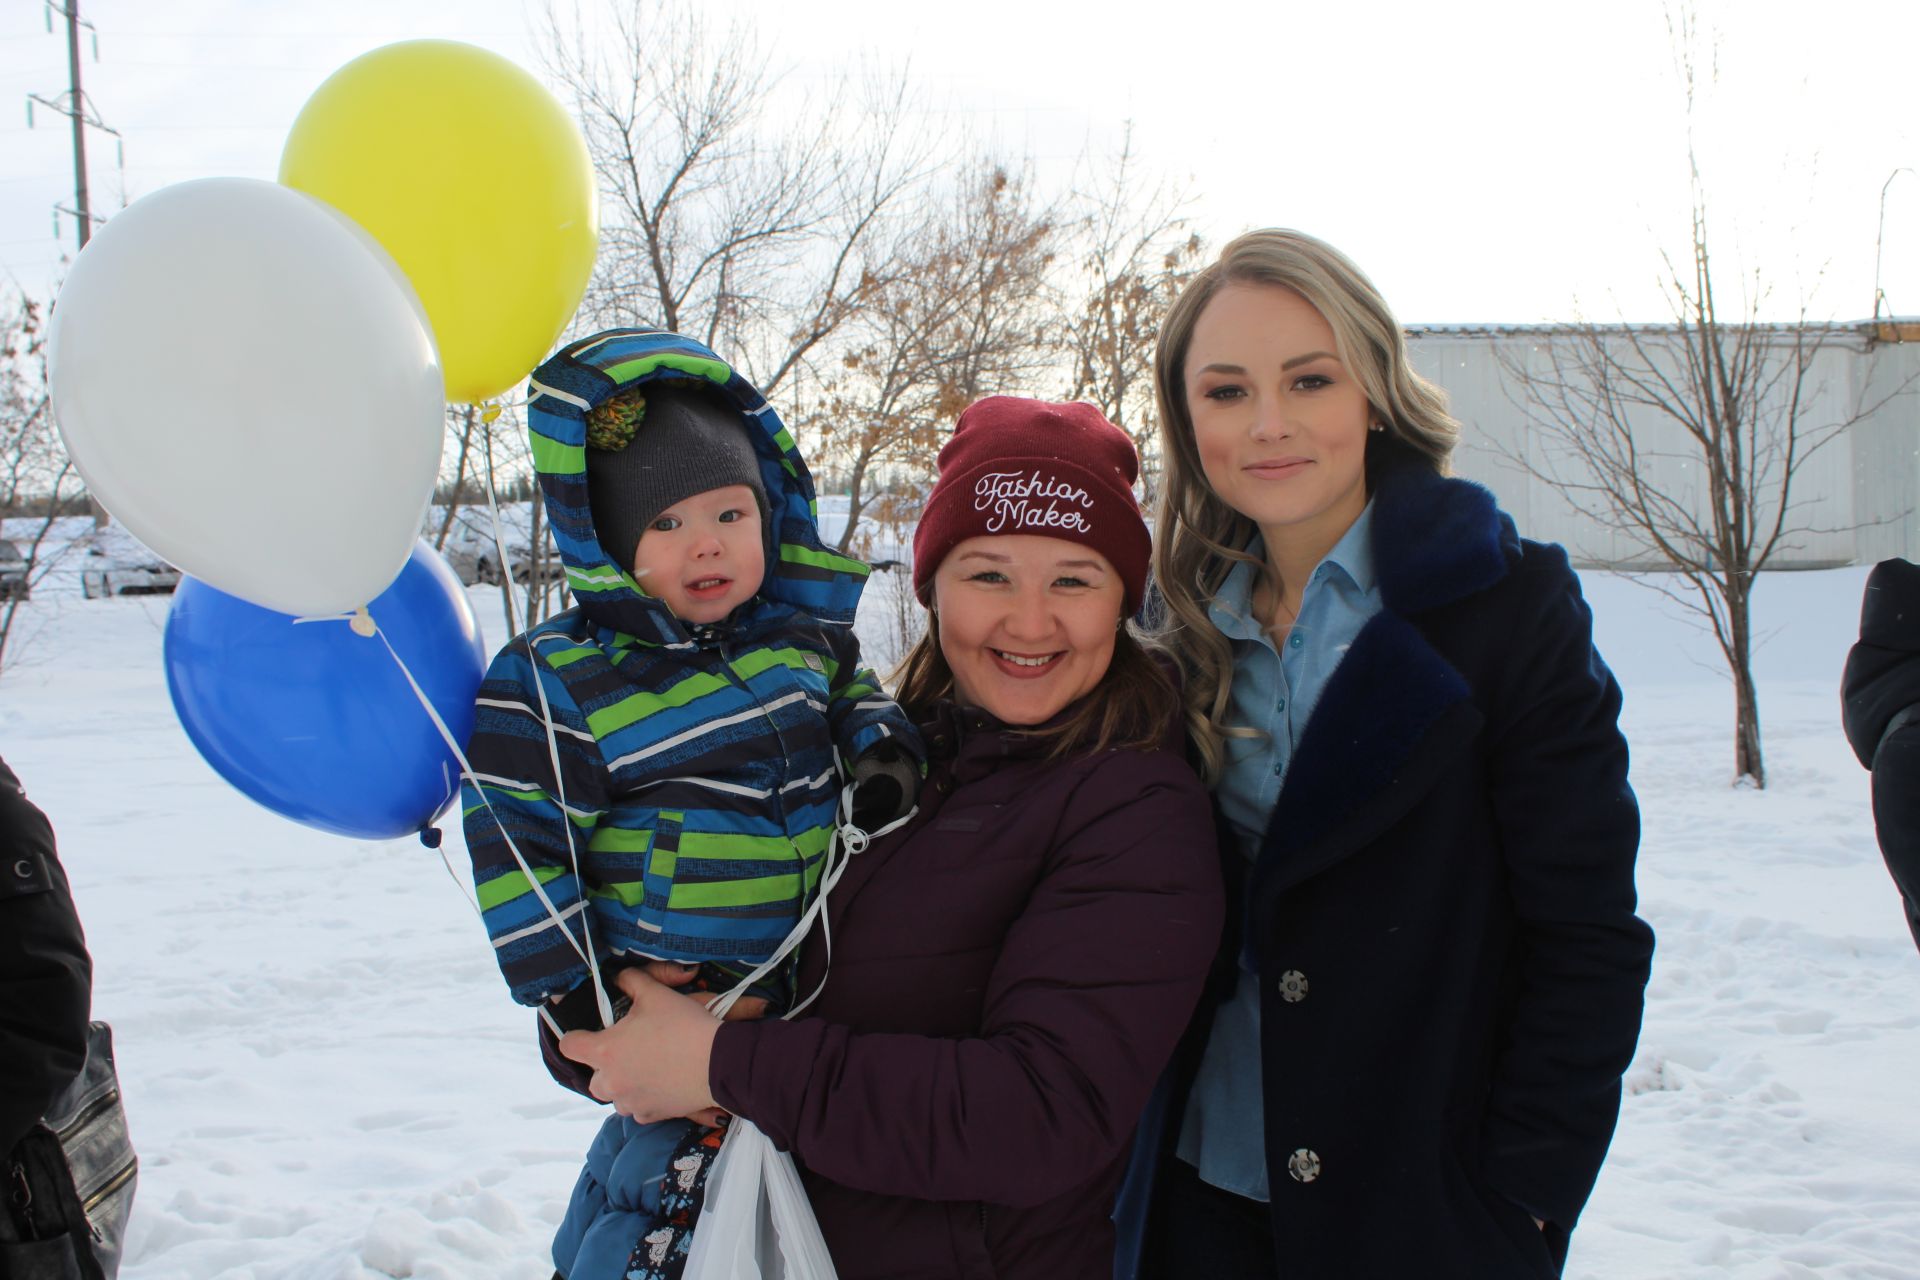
(563, 391)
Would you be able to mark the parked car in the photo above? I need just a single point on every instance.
(119, 564)
(13, 573)
(473, 555)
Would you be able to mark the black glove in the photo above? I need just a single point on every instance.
(579, 1011)
(886, 782)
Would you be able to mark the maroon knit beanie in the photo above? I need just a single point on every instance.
(1019, 466)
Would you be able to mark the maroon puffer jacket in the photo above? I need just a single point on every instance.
(1009, 976)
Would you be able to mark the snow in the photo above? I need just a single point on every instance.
(326, 1080)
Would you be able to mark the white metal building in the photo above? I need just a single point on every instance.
(1856, 501)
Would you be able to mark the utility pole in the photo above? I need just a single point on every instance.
(73, 105)
(81, 204)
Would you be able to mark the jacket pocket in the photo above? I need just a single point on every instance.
(616, 868)
(663, 855)
(1505, 1226)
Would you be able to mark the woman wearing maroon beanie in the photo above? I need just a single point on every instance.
(1009, 972)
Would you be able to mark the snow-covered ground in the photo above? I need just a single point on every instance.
(326, 1080)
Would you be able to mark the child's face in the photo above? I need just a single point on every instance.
(703, 555)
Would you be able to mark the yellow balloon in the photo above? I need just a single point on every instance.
(476, 181)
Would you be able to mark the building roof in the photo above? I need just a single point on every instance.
(1890, 329)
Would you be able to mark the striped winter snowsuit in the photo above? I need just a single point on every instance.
(696, 763)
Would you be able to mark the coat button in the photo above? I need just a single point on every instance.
(1303, 1165)
(1293, 986)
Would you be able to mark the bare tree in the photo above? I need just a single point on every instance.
(1135, 254)
(523, 547)
(962, 308)
(494, 477)
(37, 481)
(717, 219)
(462, 421)
(1689, 438)
(889, 593)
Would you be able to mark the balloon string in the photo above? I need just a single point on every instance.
(573, 852)
(466, 772)
(488, 416)
(499, 543)
(846, 841)
(854, 841)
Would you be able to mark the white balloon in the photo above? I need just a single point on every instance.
(247, 381)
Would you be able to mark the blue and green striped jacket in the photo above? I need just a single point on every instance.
(696, 765)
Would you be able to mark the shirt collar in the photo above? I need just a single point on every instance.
(1353, 554)
(1231, 608)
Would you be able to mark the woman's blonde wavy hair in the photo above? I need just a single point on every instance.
(1198, 538)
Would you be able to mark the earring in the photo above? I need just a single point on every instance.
(1378, 426)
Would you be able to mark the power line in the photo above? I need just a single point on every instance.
(74, 105)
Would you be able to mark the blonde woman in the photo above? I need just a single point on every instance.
(1410, 1063)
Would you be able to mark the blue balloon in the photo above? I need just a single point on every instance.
(318, 723)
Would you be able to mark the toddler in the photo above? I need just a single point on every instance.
(666, 756)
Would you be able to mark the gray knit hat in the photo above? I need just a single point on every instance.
(651, 447)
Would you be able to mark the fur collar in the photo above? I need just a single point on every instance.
(1436, 539)
(1362, 757)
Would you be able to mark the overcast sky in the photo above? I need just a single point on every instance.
(1485, 161)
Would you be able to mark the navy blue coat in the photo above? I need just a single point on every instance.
(1442, 917)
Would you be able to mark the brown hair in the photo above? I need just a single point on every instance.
(1198, 537)
(1132, 708)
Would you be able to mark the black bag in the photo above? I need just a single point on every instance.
(69, 1182)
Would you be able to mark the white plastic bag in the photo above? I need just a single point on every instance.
(756, 1223)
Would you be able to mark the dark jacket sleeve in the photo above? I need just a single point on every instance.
(1882, 676)
(1570, 831)
(1094, 982)
(45, 975)
(1896, 813)
(1880, 709)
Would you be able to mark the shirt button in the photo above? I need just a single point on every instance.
(1281, 705)
(1303, 1165)
(1294, 641)
(1279, 769)
(1293, 986)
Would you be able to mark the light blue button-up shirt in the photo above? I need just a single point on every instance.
(1274, 691)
